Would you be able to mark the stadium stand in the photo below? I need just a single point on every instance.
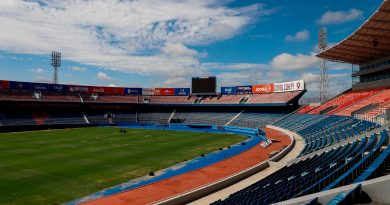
(223, 99)
(57, 118)
(379, 110)
(29, 96)
(380, 98)
(112, 99)
(100, 117)
(125, 117)
(320, 131)
(347, 99)
(310, 175)
(252, 119)
(157, 117)
(17, 118)
(273, 97)
(306, 109)
(210, 118)
(169, 99)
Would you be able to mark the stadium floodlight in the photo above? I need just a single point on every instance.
(323, 84)
(56, 63)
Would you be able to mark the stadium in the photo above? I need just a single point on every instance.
(68, 143)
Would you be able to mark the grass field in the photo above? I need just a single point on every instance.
(53, 167)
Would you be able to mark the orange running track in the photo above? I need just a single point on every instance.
(175, 185)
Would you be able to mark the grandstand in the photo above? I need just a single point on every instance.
(334, 152)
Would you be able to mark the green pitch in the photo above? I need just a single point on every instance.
(53, 167)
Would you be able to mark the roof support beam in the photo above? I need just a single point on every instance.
(380, 21)
(330, 55)
(366, 51)
(384, 11)
(371, 35)
(375, 29)
(363, 47)
(365, 41)
(360, 57)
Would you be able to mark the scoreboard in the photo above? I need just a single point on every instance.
(204, 85)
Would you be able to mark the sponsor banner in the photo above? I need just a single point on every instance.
(78, 88)
(4, 84)
(289, 86)
(267, 88)
(15, 85)
(147, 91)
(182, 91)
(115, 91)
(164, 91)
(98, 90)
(133, 91)
(58, 88)
(228, 90)
(244, 89)
(40, 86)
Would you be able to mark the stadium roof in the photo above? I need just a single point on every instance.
(369, 42)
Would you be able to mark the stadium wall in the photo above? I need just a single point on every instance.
(24, 128)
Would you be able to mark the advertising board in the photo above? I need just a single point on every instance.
(289, 86)
(228, 90)
(244, 89)
(164, 91)
(147, 91)
(58, 88)
(265, 88)
(78, 88)
(133, 91)
(40, 86)
(4, 84)
(182, 91)
(16, 85)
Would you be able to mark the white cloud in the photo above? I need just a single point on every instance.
(144, 37)
(112, 85)
(299, 36)
(41, 79)
(103, 76)
(339, 66)
(310, 77)
(234, 66)
(286, 61)
(16, 58)
(77, 68)
(175, 82)
(275, 74)
(233, 78)
(37, 70)
(338, 82)
(179, 50)
(339, 17)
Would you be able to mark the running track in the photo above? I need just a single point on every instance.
(175, 185)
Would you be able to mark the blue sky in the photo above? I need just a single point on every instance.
(154, 43)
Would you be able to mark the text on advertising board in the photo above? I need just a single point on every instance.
(289, 86)
(268, 88)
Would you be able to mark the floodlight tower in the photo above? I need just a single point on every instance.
(323, 84)
(56, 63)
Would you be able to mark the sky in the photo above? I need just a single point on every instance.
(163, 43)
